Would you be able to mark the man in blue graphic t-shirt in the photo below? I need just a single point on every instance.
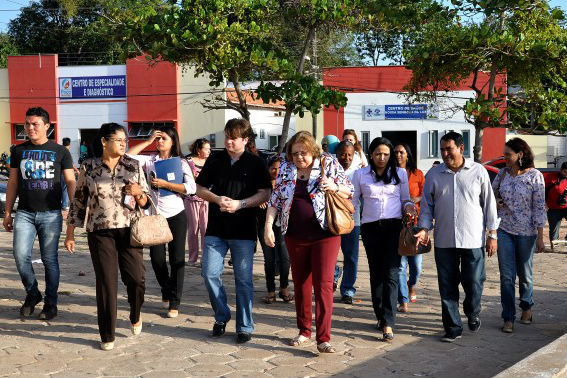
(36, 169)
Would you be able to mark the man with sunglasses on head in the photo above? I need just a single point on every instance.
(36, 170)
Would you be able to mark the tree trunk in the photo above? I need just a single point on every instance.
(243, 107)
(285, 127)
(477, 150)
(314, 125)
(289, 107)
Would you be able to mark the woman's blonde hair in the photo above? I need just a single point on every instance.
(357, 146)
(305, 138)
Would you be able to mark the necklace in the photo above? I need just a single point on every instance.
(302, 177)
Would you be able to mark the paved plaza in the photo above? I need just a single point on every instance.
(68, 346)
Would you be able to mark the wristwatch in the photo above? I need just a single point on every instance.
(493, 236)
(242, 204)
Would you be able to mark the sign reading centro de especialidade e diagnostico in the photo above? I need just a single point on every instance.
(92, 87)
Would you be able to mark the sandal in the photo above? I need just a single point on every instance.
(270, 299)
(403, 307)
(286, 298)
(298, 340)
(326, 348)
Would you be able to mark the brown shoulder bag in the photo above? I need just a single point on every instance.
(339, 211)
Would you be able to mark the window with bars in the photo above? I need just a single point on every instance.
(142, 130)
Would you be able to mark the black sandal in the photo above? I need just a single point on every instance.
(270, 299)
(286, 298)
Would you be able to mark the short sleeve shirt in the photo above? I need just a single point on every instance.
(39, 174)
(238, 180)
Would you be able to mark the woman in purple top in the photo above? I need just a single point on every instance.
(520, 192)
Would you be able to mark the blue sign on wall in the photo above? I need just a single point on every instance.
(92, 87)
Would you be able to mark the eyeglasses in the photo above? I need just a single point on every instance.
(300, 153)
(118, 140)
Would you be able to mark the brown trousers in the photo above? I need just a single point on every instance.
(111, 250)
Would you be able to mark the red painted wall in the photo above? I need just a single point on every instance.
(32, 82)
(152, 92)
(493, 141)
(378, 79)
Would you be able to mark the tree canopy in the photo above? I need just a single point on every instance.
(523, 40)
(64, 27)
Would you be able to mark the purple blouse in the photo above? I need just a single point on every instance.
(523, 197)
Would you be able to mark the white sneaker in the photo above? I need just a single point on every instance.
(107, 346)
(136, 329)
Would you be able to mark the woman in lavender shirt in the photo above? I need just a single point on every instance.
(520, 192)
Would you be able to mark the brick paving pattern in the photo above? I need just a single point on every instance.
(68, 346)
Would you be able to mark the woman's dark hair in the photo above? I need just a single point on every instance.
(410, 165)
(106, 131)
(274, 159)
(563, 165)
(172, 133)
(197, 146)
(519, 145)
(390, 174)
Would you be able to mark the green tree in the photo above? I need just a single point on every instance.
(7, 47)
(64, 27)
(523, 40)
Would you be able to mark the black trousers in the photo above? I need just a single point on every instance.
(111, 250)
(171, 284)
(380, 240)
(277, 256)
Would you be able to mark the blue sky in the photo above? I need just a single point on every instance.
(10, 9)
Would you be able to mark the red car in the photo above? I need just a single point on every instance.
(494, 165)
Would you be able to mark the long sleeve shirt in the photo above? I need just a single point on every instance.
(381, 201)
(172, 205)
(523, 197)
(462, 204)
(101, 190)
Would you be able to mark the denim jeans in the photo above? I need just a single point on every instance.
(554, 217)
(515, 257)
(464, 266)
(349, 247)
(415, 264)
(47, 226)
(64, 194)
(242, 252)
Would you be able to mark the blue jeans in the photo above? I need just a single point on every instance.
(415, 264)
(464, 266)
(64, 194)
(47, 226)
(349, 247)
(242, 252)
(554, 217)
(515, 257)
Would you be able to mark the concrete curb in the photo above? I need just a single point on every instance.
(549, 361)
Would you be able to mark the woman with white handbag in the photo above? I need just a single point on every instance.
(111, 185)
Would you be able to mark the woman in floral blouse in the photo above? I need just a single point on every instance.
(298, 201)
(106, 183)
(520, 191)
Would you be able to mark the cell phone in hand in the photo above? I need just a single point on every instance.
(129, 202)
(152, 177)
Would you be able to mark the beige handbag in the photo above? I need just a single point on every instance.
(149, 230)
(338, 210)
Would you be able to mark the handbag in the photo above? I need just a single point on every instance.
(407, 240)
(149, 230)
(339, 211)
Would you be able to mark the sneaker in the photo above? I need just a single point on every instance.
(346, 299)
(107, 346)
(474, 324)
(48, 312)
(219, 329)
(336, 283)
(450, 337)
(29, 304)
(243, 337)
(136, 328)
(172, 313)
